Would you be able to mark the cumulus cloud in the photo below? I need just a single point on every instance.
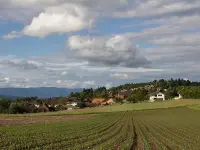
(115, 51)
(85, 42)
(57, 20)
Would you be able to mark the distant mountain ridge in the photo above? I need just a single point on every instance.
(9, 97)
(41, 92)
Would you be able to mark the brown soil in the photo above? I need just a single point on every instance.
(39, 119)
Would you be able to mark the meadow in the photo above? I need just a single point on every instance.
(123, 128)
(118, 107)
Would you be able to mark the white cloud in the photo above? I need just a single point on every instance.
(58, 81)
(136, 70)
(120, 76)
(85, 42)
(6, 79)
(108, 85)
(29, 3)
(92, 83)
(64, 73)
(57, 20)
(64, 19)
(158, 8)
(178, 39)
(114, 51)
(11, 35)
(68, 83)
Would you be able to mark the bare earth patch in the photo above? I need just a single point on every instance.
(40, 119)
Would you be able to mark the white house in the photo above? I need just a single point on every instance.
(37, 105)
(74, 104)
(156, 96)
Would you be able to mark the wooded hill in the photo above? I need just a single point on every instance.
(186, 88)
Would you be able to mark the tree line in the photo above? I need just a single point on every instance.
(16, 106)
(189, 92)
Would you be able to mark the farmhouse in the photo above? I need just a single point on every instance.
(156, 96)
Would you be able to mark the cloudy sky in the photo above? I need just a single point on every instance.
(90, 43)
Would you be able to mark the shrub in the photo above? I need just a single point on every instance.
(18, 108)
(81, 105)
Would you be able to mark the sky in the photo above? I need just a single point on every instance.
(92, 43)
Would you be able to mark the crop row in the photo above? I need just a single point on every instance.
(143, 130)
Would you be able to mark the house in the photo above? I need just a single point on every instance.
(73, 99)
(54, 102)
(31, 107)
(110, 95)
(98, 101)
(34, 102)
(179, 97)
(110, 101)
(74, 104)
(104, 103)
(156, 96)
(123, 95)
(43, 108)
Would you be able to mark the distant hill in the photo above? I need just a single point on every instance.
(9, 97)
(42, 92)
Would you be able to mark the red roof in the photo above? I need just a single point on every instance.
(98, 100)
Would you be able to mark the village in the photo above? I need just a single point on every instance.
(70, 103)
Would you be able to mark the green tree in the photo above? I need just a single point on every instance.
(171, 93)
(81, 104)
(138, 96)
(18, 108)
(4, 105)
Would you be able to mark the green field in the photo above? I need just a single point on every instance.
(134, 128)
(123, 107)
(130, 107)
